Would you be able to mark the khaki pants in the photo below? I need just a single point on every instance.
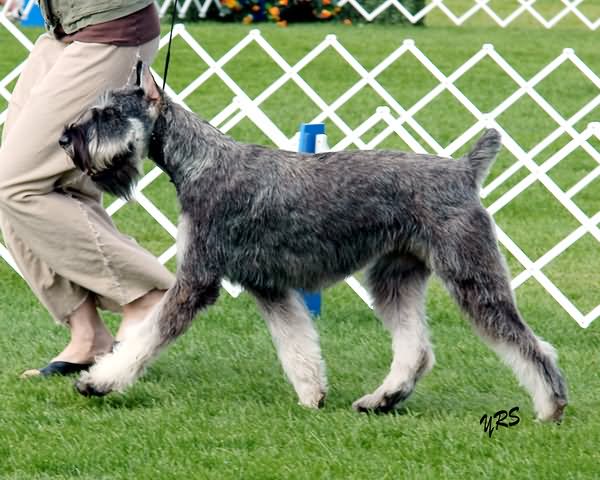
(51, 215)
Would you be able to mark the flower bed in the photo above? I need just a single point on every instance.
(284, 12)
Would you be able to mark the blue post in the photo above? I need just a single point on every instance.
(34, 18)
(306, 144)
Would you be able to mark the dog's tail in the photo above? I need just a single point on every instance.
(483, 154)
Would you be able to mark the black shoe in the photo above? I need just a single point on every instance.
(57, 368)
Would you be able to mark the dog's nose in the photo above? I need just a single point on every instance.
(64, 140)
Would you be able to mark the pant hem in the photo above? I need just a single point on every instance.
(65, 317)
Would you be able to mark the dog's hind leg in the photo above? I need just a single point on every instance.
(398, 284)
(469, 262)
(297, 344)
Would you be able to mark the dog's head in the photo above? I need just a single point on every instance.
(110, 140)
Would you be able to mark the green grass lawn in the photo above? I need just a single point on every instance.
(216, 405)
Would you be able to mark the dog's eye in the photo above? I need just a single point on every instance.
(109, 111)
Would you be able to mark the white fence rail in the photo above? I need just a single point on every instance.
(402, 122)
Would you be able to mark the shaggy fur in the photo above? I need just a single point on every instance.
(274, 221)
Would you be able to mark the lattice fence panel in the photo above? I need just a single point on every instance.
(530, 169)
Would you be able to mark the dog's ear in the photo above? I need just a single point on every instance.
(148, 84)
(81, 156)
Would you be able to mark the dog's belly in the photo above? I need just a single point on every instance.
(308, 265)
(273, 277)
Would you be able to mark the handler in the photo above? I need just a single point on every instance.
(51, 215)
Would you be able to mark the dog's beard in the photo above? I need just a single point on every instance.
(120, 177)
(117, 176)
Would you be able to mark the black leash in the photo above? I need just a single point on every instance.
(168, 58)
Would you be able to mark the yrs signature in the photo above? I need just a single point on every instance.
(500, 416)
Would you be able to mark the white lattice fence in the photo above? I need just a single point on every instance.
(392, 120)
(502, 12)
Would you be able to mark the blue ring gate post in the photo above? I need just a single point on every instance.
(312, 136)
(31, 15)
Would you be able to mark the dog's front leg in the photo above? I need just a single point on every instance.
(173, 315)
(297, 343)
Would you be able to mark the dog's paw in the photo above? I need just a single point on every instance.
(315, 400)
(379, 401)
(554, 411)
(86, 387)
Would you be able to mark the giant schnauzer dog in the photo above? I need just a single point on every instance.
(275, 221)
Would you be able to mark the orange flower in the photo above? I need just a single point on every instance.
(229, 3)
(282, 23)
(283, 2)
(325, 13)
(247, 19)
(326, 2)
(347, 21)
(255, 8)
(274, 11)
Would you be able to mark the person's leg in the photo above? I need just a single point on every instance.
(137, 306)
(89, 339)
(38, 199)
(89, 335)
(40, 60)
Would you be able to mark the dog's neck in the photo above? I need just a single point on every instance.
(161, 148)
(156, 144)
(195, 143)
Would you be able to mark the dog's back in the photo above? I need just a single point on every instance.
(306, 221)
